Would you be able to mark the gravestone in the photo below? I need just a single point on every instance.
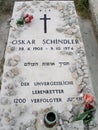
(46, 82)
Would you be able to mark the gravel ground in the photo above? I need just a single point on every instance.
(89, 39)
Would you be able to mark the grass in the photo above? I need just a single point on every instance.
(82, 7)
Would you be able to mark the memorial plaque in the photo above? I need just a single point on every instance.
(45, 82)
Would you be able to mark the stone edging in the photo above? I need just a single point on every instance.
(94, 14)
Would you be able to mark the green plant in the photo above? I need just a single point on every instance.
(89, 111)
(82, 7)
